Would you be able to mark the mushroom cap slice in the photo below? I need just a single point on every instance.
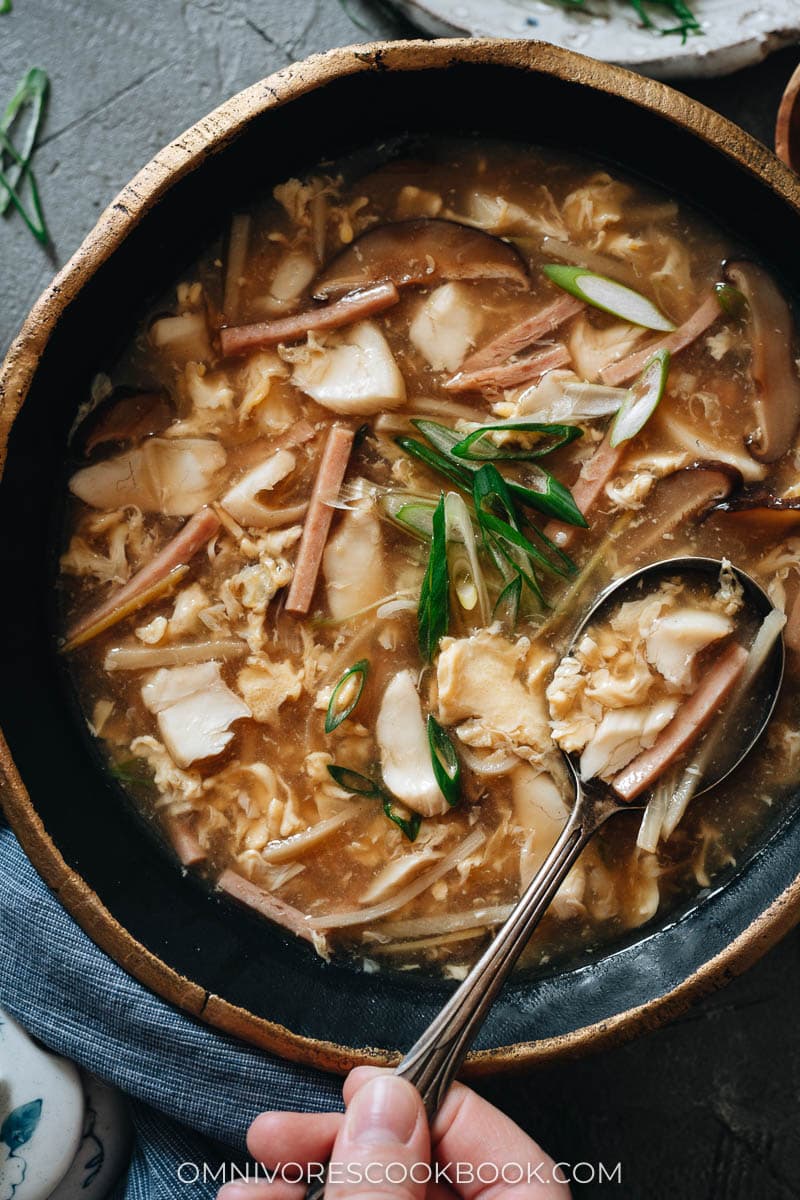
(423, 251)
(772, 336)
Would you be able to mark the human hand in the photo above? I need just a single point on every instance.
(381, 1147)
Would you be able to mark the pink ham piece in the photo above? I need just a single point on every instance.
(618, 373)
(330, 475)
(596, 472)
(241, 889)
(685, 727)
(184, 842)
(198, 530)
(242, 339)
(510, 374)
(527, 331)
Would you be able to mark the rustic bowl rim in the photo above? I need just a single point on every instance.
(182, 156)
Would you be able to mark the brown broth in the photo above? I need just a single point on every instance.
(271, 781)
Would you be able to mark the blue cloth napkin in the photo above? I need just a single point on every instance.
(193, 1091)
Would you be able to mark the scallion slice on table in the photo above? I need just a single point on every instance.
(642, 399)
(361, 785)
(732, 302)
(335, 715)
(462, 554)
(479, 447)
(444, 760)
(15, 168)
(611, 297)
(433, 612)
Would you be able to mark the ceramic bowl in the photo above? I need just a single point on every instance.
(216, 961)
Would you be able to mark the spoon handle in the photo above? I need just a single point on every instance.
(433, 1061)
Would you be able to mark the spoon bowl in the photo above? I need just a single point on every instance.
(433, 1062)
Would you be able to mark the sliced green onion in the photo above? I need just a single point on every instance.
(5, 7)
(362, 785)
(334, 716)
(32, 92)
(409, 825)
(355, 782)
(446, 766)
(413, 514)
(433, 612)
(506, 610)
(560, 554)
(462, 555)
(731, 300)
(478, 446)
(642, 400)
(606, 294)
(549, 496)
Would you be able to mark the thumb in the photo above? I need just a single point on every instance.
(383, 1147)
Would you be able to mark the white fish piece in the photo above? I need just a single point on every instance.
(353, 564)
(445, 326)
(405, 753)
(677, 638)
(171, 476)
(353, 372)
(490, 684)
(195, 709)
(622, 734)
(242, 500)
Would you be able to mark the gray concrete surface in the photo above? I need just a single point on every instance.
(705, 1109)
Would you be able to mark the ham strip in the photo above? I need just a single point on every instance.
(185, 843)
(241, 889)
(332, 467)
(531, 329)
(617, 373)
(198, 530)
(241, 339)
(589, 487)
(510, 374)
(685, 727)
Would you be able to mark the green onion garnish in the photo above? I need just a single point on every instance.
(5, 7)
(334, 716)
(548, 496)
(642, 399)
(608, 295)
(478, 446)
(361, 785)
(462, 557)
(446, 766)
(15, 169)
(433, 612)
(687, 21)
(731, 300)
(409, 825)
(355, 782)
(506, 610)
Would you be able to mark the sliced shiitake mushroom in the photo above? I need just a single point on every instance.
(125, 416)
(772, 335)
(774, 516)
(423, 251)
(685, 496)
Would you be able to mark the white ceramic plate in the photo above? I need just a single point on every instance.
(735, 34)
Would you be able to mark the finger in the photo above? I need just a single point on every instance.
(262, 1191)
(470, 1131)
(281, 1137)
(383, 1147)
(506, 1163)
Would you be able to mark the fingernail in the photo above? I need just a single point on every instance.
(384, 1110)
(235, 1191)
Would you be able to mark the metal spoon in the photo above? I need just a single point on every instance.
(433, 1061)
